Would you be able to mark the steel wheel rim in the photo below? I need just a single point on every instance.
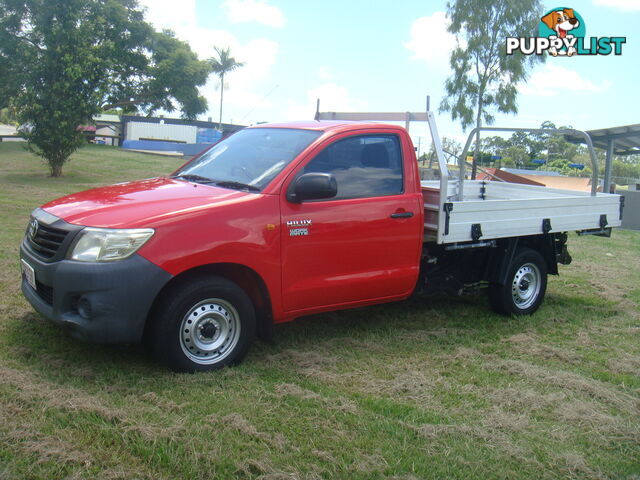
(525, 286)
(209, 331)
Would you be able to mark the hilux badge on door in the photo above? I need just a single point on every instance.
(298, 223)
(298, 227)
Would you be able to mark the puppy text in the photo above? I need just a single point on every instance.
(539, 45)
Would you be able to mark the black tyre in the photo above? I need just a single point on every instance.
(525, 285)
(205, 324)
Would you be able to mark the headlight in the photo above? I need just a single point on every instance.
(106, 244)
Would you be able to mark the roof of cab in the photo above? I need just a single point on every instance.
(322, 125)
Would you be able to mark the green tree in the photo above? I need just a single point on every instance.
(8, 116)
(630, 159)
(63, 61)
(624, 171)
(512, 150)
(223, 64)
(557, 146)
(485, 78)
(532, 143)
(495, 145)
(451, 149)
(517, 155)
(172, 75)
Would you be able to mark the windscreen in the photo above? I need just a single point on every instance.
(249, 159)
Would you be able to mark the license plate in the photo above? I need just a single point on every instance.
(29, 274)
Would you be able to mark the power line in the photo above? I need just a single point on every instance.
(256, 105)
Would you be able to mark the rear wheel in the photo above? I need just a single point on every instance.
(205, 324)
(525, 285)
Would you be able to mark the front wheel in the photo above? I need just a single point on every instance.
(525, 285)
(205, 324)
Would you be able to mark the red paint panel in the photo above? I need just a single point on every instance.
(143, 203)
(355, 253)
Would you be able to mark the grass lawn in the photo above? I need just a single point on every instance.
(438, 388)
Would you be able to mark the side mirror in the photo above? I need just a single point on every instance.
(313, 186)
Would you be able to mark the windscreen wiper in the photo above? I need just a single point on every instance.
(237, 185)
(194, 178)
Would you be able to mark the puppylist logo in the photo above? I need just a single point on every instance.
(562, 33)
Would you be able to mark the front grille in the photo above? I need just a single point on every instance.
(47, 240)
(45, 292)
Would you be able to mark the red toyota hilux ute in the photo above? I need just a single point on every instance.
(272, 223)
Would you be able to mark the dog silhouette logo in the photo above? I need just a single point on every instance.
(561, 33)
(564, 24)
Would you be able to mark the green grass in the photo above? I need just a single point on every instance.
(421, 389)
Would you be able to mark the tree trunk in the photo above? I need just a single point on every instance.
(56, 169)
(476, 153)
(221, 96)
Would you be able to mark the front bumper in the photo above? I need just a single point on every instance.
(97, 302)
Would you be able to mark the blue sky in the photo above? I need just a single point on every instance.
(375, 55)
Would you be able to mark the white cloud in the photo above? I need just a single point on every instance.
(259, 11)
(181, 18)
(627, 5)
(246, 85)
(333, 98)
(170, 14)
(324, 73)
(296, 111)
(554, 79)
(430, 41)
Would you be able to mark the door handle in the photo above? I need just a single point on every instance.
(402, 215)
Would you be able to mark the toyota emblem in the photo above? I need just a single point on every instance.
(33, 228)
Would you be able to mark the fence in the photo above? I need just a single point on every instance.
(18, 138)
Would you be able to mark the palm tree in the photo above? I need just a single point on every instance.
(222, 65)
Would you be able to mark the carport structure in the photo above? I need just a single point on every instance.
(624, 140)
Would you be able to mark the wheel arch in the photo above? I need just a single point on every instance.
(545, 245)
(246, 278)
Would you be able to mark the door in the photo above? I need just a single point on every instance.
(362, 244)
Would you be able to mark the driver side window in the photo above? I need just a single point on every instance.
(363, 166)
